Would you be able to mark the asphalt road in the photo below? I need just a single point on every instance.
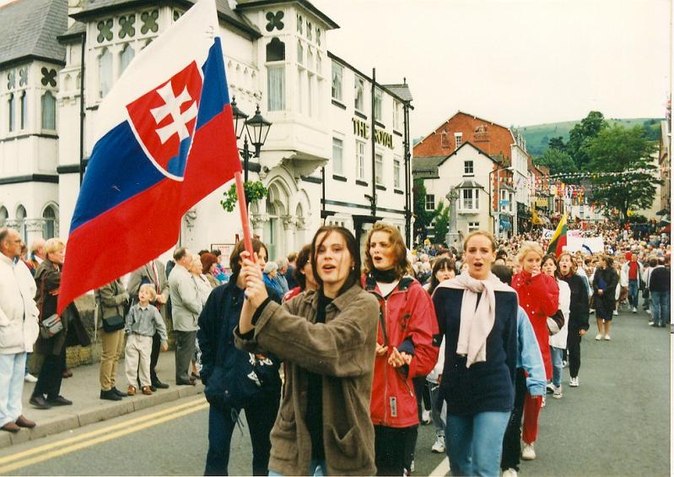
(616, 423)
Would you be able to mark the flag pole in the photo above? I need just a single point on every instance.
(243, 210)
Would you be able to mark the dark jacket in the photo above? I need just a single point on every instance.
(579, 309)
(217, 321)
(485, 386)
(48, 281)
(660, 279)
(342, 351)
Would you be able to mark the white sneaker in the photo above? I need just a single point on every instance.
(648, 311)
(558, 392)
(509, 473)
(615, 312)
(439, 445)
(528, 452)
(607, 338)
(634, 310)
(573, 382)
(425, 417)
(598, 337)
(29, 378)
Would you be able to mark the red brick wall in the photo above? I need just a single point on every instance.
(492, 139)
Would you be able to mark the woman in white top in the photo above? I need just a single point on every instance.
(558, 340)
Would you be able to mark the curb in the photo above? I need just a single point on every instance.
(102, 411)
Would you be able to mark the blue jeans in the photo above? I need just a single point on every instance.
(316, 468)
(474, 443)
(557, 355)
(633, 293)
(12, 367)
(660, 307)
(436, 409)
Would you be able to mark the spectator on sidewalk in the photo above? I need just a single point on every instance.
(112, 300)
(18, 329)
(186, 306)
(154, 273)
(142, 322)
(53, 349)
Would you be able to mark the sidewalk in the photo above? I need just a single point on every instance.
(83, 389)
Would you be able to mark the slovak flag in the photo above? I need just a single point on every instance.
(165, 140)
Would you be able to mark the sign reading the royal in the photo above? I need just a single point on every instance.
(362, 129)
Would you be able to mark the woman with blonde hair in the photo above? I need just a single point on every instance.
(405, 347)
(538, 295)
(48, 280)
(477, 314)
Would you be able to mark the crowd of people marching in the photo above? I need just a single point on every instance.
(336, 355)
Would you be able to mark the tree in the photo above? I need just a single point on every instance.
(441, 223)
(557, 161)
(557, 143)
(422, 217)
(580, 136)
(622, 174)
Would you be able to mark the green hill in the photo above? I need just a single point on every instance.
(538, 135)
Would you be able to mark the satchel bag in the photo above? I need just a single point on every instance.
(113, 323)
(555, 322)
(235, 383)
(51, 326)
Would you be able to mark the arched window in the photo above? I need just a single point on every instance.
(10, 112)
(3, 216)
(23, 106)
(21, 222)
(48, 111)
(104, 73)
(276, 83)
(125, 57)
(49, 227)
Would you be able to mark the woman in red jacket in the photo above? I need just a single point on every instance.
(539, 296)
(405, 347)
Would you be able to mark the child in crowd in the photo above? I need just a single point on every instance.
(142, 322)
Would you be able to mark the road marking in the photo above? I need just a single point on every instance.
(88, 439)
(441, 470)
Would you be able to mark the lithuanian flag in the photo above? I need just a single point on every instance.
(558, 240)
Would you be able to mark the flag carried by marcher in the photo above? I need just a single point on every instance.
(558, 239)
(165, 140)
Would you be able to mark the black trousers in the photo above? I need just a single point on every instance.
(391, 448)
(154, 357)
(510, 457)
(260, 417)
(573, 346)
(51, 375)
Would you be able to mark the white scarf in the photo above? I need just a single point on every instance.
(477, 319)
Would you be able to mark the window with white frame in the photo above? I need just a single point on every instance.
(276, 84)
(396, 114)
(468, 168)
(359, 94)
(458, 139)
(378, 100)
(360, 160)
(311, 88)
(23, 106)
(473, 226)
(104, 73)
(125, 57)
(300, 53)
(10, 112)
(470, 199)
(48, 111)
(337, 75)
(430, 202)
(503, 205)
(379, 168)
(337, 156)
(396, 172)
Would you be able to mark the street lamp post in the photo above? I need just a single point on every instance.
(256, 128)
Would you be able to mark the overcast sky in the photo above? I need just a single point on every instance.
(514, 62)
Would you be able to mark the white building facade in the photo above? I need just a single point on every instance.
(276, 57)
